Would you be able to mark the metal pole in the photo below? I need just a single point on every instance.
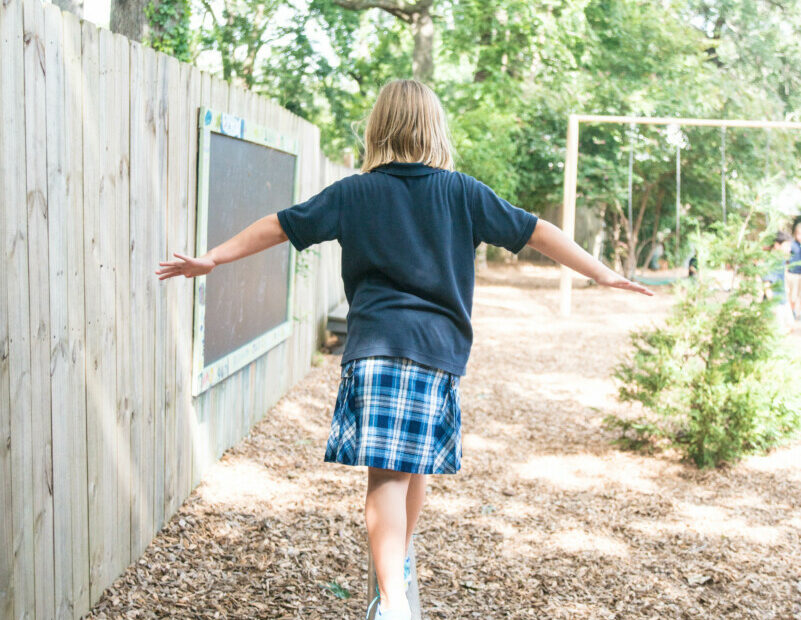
(569, 209)
(723, 171)
(630, 227)
(678, 199)
(697, 122)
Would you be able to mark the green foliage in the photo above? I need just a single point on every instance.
(336, 589)
(716, 374)
(509, 73)
(169, 28)
(239, 30)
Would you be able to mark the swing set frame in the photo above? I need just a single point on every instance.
(571, 170)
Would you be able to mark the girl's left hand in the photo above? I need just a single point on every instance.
(615, 280)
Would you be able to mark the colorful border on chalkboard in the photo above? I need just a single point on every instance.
(211, 121)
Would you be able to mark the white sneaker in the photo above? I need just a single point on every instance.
(398, 613)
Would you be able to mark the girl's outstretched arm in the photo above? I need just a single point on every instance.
(552, 242)
(260, 235)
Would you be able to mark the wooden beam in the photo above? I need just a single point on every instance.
(699, 122)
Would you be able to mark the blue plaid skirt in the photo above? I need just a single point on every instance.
(393, 413)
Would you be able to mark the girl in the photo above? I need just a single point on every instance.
(409, 226)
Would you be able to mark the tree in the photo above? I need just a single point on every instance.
(129, 19)
(238, 30)
(418, 15)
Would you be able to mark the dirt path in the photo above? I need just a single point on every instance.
(545, 519)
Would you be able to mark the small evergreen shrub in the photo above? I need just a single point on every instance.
(716, 377)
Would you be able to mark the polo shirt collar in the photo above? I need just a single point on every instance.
(406, 169)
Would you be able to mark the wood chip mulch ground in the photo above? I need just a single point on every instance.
(546, 519)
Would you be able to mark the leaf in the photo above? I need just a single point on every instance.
(336, 589)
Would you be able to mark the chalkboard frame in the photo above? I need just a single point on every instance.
(213, 121)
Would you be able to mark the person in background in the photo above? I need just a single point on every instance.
(692, 266)
(794, 271)
(774, 280)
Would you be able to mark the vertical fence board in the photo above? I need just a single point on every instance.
(149, 258)
(158, 226)
(219, 101)
(176, 232)
(94, 363)
(125, 384)
(76, 403)
(190, 79)
(57, 218)
(38, 276)
(108, 119)
(18, 595)
(141, 128)
(203, 452)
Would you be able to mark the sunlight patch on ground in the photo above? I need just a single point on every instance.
(233, 482)
(450, 505)
(515, 543)
(564, 386)
(710, 521)
(787, 459)
(579, 472)
(298, 413)
(475, 442)
(576, 541)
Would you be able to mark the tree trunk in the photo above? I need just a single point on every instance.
(128, 18)
(418, 16)
(423, 54)
(617, 264)
(655, 231)
(598, 239)
(73, 6)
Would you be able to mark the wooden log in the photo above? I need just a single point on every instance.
(39, 306)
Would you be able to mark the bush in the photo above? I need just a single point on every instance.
(716, 375)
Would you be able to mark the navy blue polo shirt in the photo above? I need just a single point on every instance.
(409, 234)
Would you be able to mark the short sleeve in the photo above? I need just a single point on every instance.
(315, 220)
(497, 222)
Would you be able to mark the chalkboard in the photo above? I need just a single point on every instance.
(242, 308)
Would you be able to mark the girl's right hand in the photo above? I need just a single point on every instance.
(187, 266)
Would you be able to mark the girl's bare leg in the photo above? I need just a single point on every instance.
(415, 497)
(385, 515)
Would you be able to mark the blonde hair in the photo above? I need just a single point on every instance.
(407, 124)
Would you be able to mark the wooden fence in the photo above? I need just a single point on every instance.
(100, 438)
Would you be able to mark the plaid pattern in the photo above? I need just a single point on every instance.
(394, 413)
